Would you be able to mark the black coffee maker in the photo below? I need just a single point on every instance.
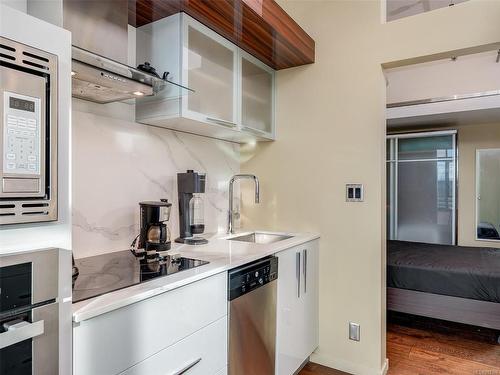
(154, 236)
(191, 186)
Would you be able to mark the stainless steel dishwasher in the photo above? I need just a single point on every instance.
(252, 318)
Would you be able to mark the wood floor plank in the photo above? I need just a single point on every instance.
(398, 352)
(449, 344)
(427, 362)
(315, 369)
(440, 352)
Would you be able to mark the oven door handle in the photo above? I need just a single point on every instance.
(20, 332)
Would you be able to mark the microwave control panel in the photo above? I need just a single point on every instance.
(21, 134)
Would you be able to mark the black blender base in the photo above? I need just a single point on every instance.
(192, 240)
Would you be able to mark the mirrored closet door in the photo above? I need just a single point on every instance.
(488, 194)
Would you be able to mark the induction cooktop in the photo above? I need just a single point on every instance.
(106, 273)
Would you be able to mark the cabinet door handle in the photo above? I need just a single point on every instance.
(187, 368)
(222, 122)
(20, 332)
(305, 270)
(255, 131)
(297, 265)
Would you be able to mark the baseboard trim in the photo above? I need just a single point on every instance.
(302, 366)
(350, 367)
(385, 367)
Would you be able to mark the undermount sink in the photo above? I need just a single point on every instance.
(260, 238)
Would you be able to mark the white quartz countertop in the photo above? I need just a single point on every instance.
(222, 254)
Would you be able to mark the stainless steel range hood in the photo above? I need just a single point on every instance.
(102, 80)
(100, 48)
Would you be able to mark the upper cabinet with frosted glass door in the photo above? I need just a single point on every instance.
(209, 64)
(257, 96)
(225, 93)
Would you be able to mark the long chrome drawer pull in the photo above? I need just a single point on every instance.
(305, 271)
(187, 368)
(297, 265)
(222, 122)
(20, 332)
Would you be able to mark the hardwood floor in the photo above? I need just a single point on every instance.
(420, 346)
(315, 369)
(424, 346)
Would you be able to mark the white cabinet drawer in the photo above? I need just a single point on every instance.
(113, 342)
(202, 353)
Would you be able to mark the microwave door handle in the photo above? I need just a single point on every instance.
(20, 332)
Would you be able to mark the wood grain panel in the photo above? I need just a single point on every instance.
(142, 12)
(260, 27)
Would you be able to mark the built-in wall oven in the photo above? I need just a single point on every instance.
(29, 313)
(28, 134)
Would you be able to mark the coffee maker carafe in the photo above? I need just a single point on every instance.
(191, 187)
(154, 236)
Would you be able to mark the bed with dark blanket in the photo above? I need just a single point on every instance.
(455, 283)
(466, 272)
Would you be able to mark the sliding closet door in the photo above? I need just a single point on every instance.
(422, 180)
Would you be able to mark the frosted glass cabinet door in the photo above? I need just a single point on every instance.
(209, 66)
(257, 96)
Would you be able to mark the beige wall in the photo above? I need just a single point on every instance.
(331, 131)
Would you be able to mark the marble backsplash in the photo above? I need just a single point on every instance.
(117, 163)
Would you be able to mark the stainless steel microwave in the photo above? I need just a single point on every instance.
(28, 134)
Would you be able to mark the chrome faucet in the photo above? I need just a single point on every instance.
(230, 228)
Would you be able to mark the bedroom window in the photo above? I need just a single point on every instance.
(488, 197)
(421, 187)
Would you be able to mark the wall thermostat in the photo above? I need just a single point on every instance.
(354, 193)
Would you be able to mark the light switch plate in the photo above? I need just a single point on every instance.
(354, 193)
(354, 331)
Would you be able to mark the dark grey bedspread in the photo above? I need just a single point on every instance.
(467, 272)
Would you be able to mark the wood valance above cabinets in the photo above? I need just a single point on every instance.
(260, 27)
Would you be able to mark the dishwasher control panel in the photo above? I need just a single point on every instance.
(251, 276)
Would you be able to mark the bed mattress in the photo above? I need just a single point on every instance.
(458, 271)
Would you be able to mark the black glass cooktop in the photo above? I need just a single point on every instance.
(105, 273)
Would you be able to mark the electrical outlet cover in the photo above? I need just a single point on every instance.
(354, 331)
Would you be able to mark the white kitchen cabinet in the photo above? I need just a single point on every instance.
(297, 306)
(118, 340)
(257, 96)
(209, 66)
(202, 353)
(233, 96)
